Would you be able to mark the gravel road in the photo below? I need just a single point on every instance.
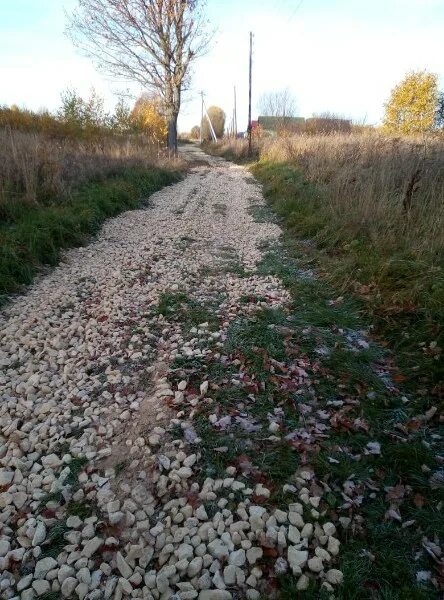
(100, 497)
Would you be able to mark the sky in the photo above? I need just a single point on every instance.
(341, 56)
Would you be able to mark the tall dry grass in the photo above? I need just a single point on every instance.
(390, 190)
(37, 168)
(375, 206)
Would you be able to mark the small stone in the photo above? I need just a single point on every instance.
(6, 477)
(237, 558)
(122, 565)
(315, 564)
(43, 566)
(297, 559)
(64, 572)
(296, 519)
(184, 472)
(194, 567)
(19, 499)
(329, 528)
(81, 590)
(303, 583)
(84, 575)
(74, 522)
(218, 549)
(203, 388)
(68, 586)
(260, 490)
(254, 554)
(184, 551)
(91, 546)
(230, 574)
(218, 581)
(40, 534)
(334, 576)
(307, 531)
(24, 582)
(294, 535)
(280, 566)
(333, 546)
(41, 586)
(200, 513)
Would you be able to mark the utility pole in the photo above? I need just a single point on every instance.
(201, 117)
(249, 93)
(235, 114)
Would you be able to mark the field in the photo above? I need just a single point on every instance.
(374, 206)
(58, 183)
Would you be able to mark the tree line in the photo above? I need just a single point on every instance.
(87, 117)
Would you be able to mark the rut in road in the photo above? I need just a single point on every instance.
(112, 481)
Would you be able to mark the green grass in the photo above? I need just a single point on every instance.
(178, 306)
(34, 235)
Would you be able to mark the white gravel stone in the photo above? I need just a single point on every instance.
(297, 559)
(254, 554)
(315, 564)
(237, 558)
(43, 566)
(334, 576)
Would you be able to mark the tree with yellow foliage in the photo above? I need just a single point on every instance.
(412, 105)
(147, 115)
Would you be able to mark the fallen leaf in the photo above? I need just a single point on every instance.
(418, 500)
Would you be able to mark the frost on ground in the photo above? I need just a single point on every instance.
(102, 490)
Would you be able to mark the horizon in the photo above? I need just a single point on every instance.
(316, 46)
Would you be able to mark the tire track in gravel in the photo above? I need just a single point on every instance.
(102, 489)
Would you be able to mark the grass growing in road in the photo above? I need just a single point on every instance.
(178, 306)
(35, 234)
(314, 368)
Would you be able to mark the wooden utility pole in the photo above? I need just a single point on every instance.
(201, 117)
(235, 114)
(249, 93)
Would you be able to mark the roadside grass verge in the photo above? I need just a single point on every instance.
(367, 230)
(34, 234)
(400, 291)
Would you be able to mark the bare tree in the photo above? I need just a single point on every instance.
(152, 42)
(280, 103)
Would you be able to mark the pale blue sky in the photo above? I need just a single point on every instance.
(335, 55)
